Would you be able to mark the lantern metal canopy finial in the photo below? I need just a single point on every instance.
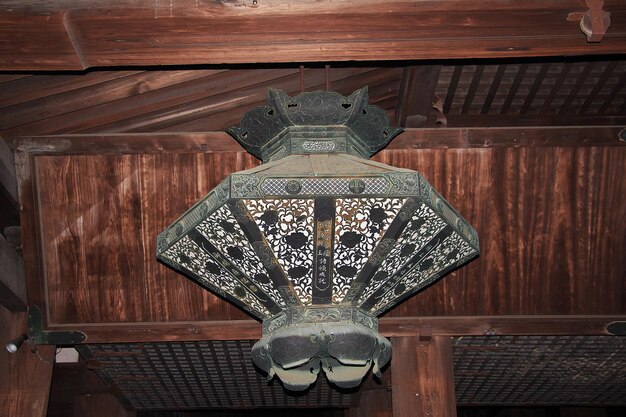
(318, 240)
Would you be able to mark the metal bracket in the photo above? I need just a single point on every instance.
(617, 328)
(38, 336)
(595, 22)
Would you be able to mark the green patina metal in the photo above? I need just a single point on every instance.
(318, 240)
(38, 336)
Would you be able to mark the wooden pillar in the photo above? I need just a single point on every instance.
(422, 377)
(372, 403)
(12, 284)
(415, 98)
(100, 405)
(24, 377)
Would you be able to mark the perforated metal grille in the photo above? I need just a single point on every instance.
(182, 375)
(540, 370)
(324, 186)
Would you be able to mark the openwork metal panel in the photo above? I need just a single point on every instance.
(193, 259)
(540, 370)
(187, 375)
(288, 227)
(359, 226)
(222, 230)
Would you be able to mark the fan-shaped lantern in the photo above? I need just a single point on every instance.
(318, 240)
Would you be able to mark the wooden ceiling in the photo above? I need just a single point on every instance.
(513, 93)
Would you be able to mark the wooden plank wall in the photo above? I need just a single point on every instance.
(550, 220)
(100, 258)
(551, 226)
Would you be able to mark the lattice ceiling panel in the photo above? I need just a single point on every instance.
(489, 370)
(194, 375)
(540, 370)
(583, 88)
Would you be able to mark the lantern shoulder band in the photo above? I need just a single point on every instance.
(318, 241)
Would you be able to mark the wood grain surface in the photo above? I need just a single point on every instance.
(551, 226)
(550, 221)
(24, 377)
(145, 33)
(102, 248)
(422, 377)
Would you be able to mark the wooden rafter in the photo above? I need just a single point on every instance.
(415, 95)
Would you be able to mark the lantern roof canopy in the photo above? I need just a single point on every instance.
(314, 122)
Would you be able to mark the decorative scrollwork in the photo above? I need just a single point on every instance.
(273, 324)
(223, 231)
(245, 186)
(404, 183)
(316, 315)
(265, 131)
(443, 256)
(319, 146)
(188, 255)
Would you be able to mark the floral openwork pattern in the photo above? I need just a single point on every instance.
(449, 253)
(422, 227)
(288, 227)
(223, 231)
(359, 225)
(193, 258)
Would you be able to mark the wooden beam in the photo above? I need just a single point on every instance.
(139, 33)
(435, 375)
(573, 136)
(100, 405)
(24, 377)
(523, 120)
(36, 41)
(29, 204)
(415, 97)
(422, 377)
(389, 327)
(404, 378)
(210, 142)
(12, 284)
(128, 143)
(9, 210)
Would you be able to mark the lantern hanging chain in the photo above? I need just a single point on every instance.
(327, 76)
